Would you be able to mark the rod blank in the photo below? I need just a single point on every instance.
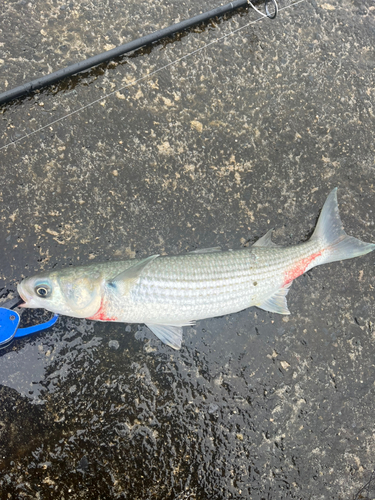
(73, 69)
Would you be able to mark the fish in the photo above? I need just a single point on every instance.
(167, 293)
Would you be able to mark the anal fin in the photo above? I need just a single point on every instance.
(276, 303)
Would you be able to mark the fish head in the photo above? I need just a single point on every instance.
(71, 292)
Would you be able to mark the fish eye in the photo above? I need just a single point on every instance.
(43, 291)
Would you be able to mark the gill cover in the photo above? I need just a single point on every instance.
(82, 295)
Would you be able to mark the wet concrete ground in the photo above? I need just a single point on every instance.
(249, 133)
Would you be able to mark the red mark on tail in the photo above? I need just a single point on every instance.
(101, 314)
(300, 268)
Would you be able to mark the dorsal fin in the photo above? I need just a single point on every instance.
(207, 250)
(265, 241)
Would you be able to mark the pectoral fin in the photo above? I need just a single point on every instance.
(277, 302)
(126, 279)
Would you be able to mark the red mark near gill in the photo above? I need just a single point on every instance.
(101, 314)
(300, 268)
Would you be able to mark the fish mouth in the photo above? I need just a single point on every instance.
(22, 295)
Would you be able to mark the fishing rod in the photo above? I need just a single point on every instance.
(73, 69)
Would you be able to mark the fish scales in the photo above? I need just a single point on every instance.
(169, 292)
(194, 286)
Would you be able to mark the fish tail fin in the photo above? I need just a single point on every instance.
(336, 243)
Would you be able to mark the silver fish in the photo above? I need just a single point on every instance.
(169, 292)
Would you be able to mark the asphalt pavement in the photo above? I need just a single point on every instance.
(206, 139)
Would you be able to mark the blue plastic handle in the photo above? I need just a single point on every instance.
(21, 332)
(9, 321)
